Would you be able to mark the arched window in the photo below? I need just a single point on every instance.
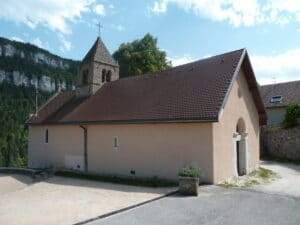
(108, 76)
(241, 126)
(85, 77)
(103, 75)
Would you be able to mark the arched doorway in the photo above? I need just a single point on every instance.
(240, 146)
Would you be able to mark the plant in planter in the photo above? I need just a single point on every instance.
(189, 180)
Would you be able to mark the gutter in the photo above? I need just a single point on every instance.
(85, 153)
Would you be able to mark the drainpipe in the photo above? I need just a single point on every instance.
(85, 148)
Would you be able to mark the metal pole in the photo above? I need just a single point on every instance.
(36, 100)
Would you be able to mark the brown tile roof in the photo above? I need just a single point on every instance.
(195, 91)
(290, 92)
(55, 103)
(99, 53)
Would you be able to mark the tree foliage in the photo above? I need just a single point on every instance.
(141, 56)
(291, 116)
(16, 103)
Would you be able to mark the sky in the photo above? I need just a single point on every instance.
(187, 30)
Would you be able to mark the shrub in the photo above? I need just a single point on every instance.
(189, 171)
(292, 113)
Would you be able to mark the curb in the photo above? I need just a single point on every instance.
(125, 209)
(33, 173)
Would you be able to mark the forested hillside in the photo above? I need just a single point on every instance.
(23, 67)
(16, 103)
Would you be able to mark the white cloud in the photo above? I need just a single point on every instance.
(117, 27)
(177, 61)
(37, 41)
(17, 39)
(278, 67)
(65, 44)
(236, 12)
(99, 10)
(53, 14)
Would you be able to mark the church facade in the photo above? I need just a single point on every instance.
(205, 113)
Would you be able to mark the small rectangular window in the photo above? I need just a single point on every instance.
(276, 99)
(46, 136)
(116, 142)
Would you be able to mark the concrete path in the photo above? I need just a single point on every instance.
(272, 204)
(61, 200)
(13, 183)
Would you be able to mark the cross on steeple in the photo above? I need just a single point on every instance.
(99, 28)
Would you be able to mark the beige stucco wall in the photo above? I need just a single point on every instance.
(236, 107)
(65, 146)
(149, 149)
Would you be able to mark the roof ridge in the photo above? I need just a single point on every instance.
(175, 67)
(285, 82)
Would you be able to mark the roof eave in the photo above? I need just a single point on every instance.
(113, 122)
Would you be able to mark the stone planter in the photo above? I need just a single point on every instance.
(188, 185)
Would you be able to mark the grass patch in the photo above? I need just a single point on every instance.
(145, 182)
(263, 173)
(259, 176)
(228, 184)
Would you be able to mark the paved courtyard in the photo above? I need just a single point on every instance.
(277, 203)
(67, 201)
(61, 200)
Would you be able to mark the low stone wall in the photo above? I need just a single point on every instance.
(281, 143)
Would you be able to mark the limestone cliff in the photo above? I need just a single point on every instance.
(27, 65)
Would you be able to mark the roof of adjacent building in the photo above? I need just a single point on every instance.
(99, 53)
(193, 92)
(290, 92)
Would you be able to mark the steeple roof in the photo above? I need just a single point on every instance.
(99, 53)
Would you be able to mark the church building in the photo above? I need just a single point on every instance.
(205, 113)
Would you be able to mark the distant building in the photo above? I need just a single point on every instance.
(206, 113)
(277, 97)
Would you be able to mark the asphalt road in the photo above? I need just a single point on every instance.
(214, 206)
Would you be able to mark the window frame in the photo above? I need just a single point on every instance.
(103, 76)
(276, 99)
(116, 144)
(108, 76)
(85, 77)
(46, 136)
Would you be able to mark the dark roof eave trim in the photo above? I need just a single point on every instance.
(113, 122)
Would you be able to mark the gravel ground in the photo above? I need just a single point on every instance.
(288, 184)
(61, 200)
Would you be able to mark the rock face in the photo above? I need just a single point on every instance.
(9, 50)
(20, 79)
(281, 143)
(33, 56)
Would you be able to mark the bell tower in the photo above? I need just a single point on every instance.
(96, 68)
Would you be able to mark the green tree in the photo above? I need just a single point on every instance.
(141, 56)
(291, 116)
(16, 103)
